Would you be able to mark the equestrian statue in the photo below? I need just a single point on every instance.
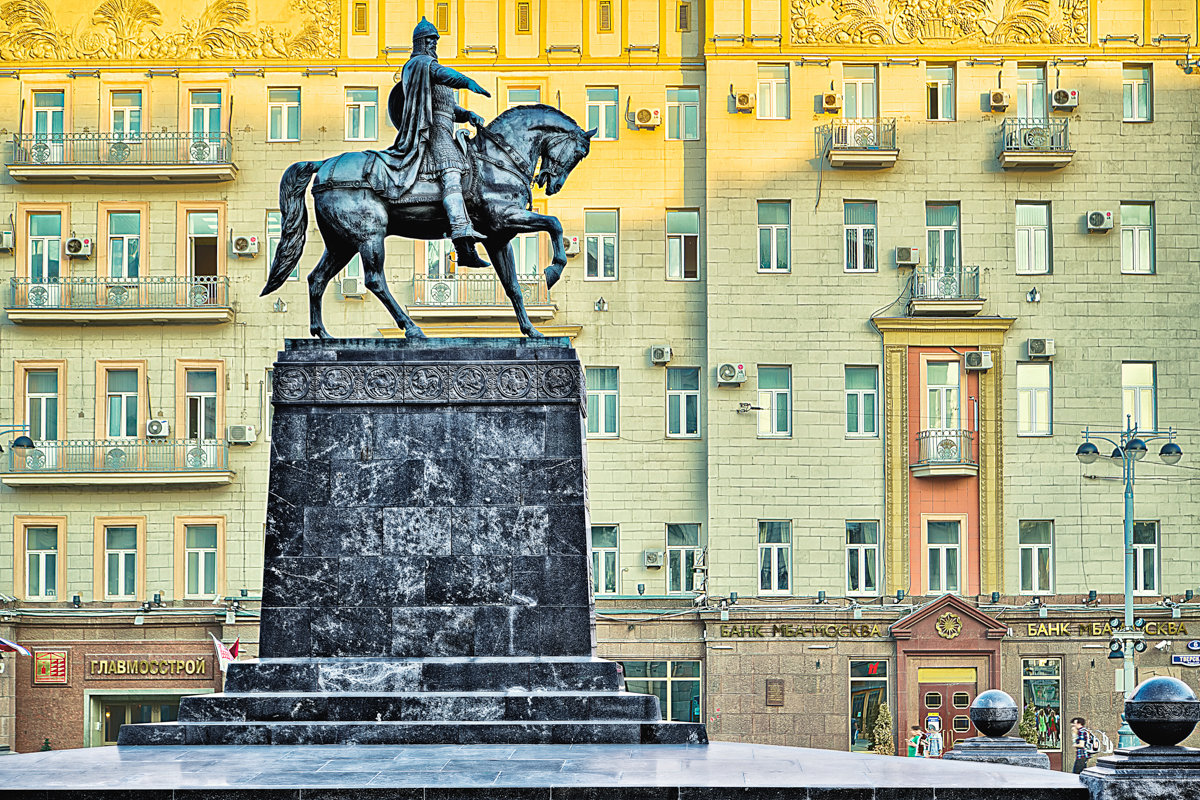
(432, 183)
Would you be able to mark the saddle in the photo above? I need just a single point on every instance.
(376, 170)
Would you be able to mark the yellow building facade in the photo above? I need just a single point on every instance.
(837, 278)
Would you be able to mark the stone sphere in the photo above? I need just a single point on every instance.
(994, 713)
(1162, 711)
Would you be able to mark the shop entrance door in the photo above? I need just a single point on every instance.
(945, 694)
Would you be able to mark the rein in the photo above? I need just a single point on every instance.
(517, 165)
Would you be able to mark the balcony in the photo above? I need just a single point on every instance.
(120, 462)
(82, 300)
(1035, 144)
(476, 296)
(945, 292)
(861, 143)
(945, 453)
(152, 157)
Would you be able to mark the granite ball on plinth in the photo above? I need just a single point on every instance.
(1162, 711)
(994, 713)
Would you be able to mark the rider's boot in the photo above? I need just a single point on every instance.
(462, 232)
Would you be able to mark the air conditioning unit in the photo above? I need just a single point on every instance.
(652, 559)
(352, 287)
(699, 576)
(571, 245)
(743, 101)
(1099, 221)
(245, 245)
(6, 240)
(1064, 99)
(908, 256)
(1039, 348)
(660, 354)
(647, 117)
(75, 247)
(831, 102)
(731, 374)
(977, 359)
(242, 434)
(158, 428)
(998, 99)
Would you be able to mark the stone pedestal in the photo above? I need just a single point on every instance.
(998, 750)
(427, 562)
(1146, 773)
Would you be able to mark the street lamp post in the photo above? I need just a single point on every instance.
(1129, 448)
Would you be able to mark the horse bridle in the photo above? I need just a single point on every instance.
(518, 165)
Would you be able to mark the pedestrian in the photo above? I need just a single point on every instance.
(1079, 729)
(914, 741)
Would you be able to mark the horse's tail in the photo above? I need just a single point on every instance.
(294, 222)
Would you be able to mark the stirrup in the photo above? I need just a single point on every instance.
(468, 233)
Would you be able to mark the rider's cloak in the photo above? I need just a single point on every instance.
(410, 107)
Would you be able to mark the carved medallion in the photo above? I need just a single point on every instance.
(514, 382)
(470, 382)
(948, 625)
(426, 383)
(291, 384)
(381, 383)
(557, 381)
(336, 383)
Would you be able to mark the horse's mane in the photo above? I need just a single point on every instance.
(511, 117)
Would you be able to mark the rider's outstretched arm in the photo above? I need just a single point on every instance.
(455, 79)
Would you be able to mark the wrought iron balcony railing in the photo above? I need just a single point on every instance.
(110, 149)
(945, 446)
(121, 456)
(473, 290)
(945, 283)
(152, 292)
(1034, 135)
(861, 134)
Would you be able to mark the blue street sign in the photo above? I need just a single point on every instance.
(1194, 644)
(1186, 660)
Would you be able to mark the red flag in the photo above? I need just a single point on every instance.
(237, 647)
(224, 656)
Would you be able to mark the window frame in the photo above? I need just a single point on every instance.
(1034, 548)
(183, 397)
(861, 395)
(600, 565)
(1028, 677)
(687, 576)
(886, 680)
(601, 394)
(670, 680)
(604, 110)
(1027, 91)
(775, 552)
(1148, 230)
(115, 111)
(773, 229)
(180, 572)
(772, 86)
(860, 244)
(681, 397)
(103, 366)
(1130, 85)
(944, 87)
(943, 389)
(183, 237)
(21, 524)
(682, 239)
(1139, 556)
(100, 559)
(600, 239)
(1030, 247)
(104, 237)
(21, 368)
(959, 547)
(1137, 388)
(286, 107)
(940, 232)
(1027, 400)
(50, 253)
(680, 109)
(871, 82)
(361, 106)
(859, 552)
(769, 404)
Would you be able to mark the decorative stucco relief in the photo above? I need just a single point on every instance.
(883, 22)
(134, 29)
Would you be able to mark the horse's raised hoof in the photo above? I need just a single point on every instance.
(553, 273)
(413, 332)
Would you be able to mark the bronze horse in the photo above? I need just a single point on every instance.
(354, 218)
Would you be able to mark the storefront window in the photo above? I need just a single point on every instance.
(1041, 680)
(675, 683)
(868, 691)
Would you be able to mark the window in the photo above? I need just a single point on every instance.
(942, 541)
(683, 113)
(439, 258)
(773, 94)
(360, 18)
(1138, 397)
(441, 17)
(122, 394)
(204, 106)
(942, 395)
(362, 110)
(1033, 400)
(868, 691)
(120, 562)
(49, 108)
(201, 386)
(775, 401)
(604, 17)
(861, 392)
(859, 92)
(124, 243)
(774, 557)
(1145, 558)
(526, 252)
(600, 238)
(683, 17)
(1033, 238)
(1036, 539)
(1041, 688)
(604, 559)
(126, 115)
(283, 115)
(683, 552)
(45, 247)
(862, 558)
(774, 235)
(1137, 238)
(523, 95)
(41, 568)
(203, 229)
(41, 404)
(602, 396)
(683, 402)
(683, 245)
(675, 683)
(602, 112)
(941, 233)
(274, 232)
(1135, 88)
(859, 222)
(200, 557)
(1031, 91)
(939, 93)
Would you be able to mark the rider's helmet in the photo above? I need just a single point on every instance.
(424, 30)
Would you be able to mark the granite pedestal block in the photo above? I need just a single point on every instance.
(999, 750)
(427, 561)
(1146, 773)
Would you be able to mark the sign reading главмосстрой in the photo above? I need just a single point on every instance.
(117, 667)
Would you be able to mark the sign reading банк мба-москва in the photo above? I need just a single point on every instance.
(1088, 629)
(786, 630)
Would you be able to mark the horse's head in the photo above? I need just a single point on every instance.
(560, 153)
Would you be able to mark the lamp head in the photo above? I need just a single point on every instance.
(1170, 453)
(21, 444)
(1136, 448)
(1087, 453)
